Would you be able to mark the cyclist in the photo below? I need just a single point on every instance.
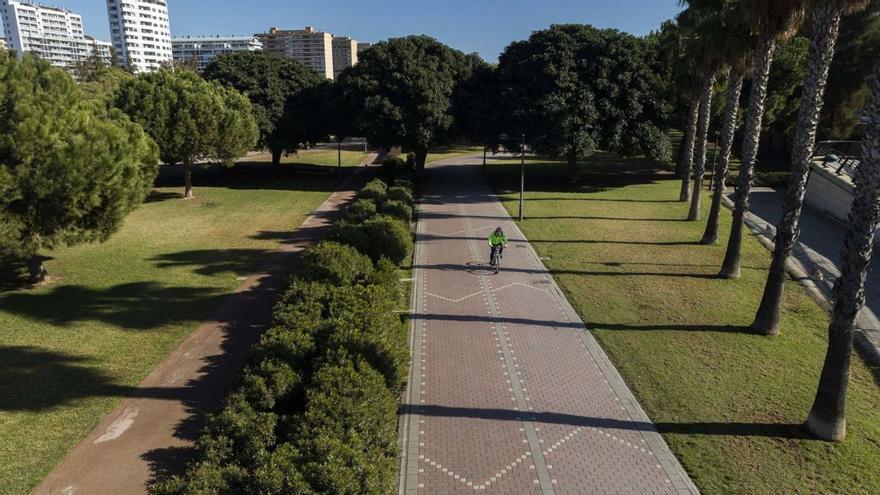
(497, 241)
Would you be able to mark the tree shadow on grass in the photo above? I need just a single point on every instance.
(160, 196)
(767, 430)
(210, 262)
(253, 175)
(133, 306)
(670, 327)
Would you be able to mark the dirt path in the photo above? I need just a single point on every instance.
(152, 433)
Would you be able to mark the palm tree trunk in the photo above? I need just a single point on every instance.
(757, 101)
(686, 158)
(702, 138)
(827, 419)
(187, 179)
(728, 129)
(826, 26)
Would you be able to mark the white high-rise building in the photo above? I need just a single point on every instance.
(345, 54)
(141, 33)
(201, 50)
(51, 33)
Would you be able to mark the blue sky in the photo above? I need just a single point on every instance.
(484, 26)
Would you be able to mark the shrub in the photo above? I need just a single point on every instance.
(397, 209)
(387, 237)
(401, 194)
(348, 436)
(352, 235)
(241, 432)
(404, 183)
(410, 161)
(360, 210)
(387, 277)
(335, 263)
(375, 190)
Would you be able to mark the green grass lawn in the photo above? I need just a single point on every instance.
(729, 404)
(317, 157)
(70, 351)
(450, 152)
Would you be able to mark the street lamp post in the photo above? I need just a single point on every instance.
(522, 180)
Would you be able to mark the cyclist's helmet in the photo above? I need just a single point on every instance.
(498, 231)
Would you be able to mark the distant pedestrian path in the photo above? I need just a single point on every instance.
(509, 393)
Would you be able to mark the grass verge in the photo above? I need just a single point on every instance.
(70, 351)
(729, 404)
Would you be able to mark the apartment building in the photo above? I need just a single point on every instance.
(345, 54)
(311, 47)
(363, 46)
(141, 33)
(202, 50)
(51, 33)
(103, 48)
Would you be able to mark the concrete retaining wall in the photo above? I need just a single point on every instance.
(830, 193)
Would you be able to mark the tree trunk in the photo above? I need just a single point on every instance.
(276, 157)
(687, 157)
(826, 26)
(827, 419)
(571, 158)
(757, 101)
(702, 139)
(728, 129)
(421, 158)
(187, 179)
(36, 269)
(484, 157)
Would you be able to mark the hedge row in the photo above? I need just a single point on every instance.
(316, 411)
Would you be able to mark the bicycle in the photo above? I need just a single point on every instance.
(496, 259)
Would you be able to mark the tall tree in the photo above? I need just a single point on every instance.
(191, 119)
(574, 89)
(403, 88)
(770, 21)
(827, 419)
(477, 107)
(826, 25)
(271, 82)
(70, 171)
(705, 114)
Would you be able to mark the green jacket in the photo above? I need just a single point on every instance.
(497, 239)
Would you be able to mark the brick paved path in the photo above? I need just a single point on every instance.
(508, 393)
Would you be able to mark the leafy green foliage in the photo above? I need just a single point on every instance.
(403, 90)
(272, 83)
(574, 89)
(335, 263)
(400, 193)
(388, 237)
(189, 118)
(477, 102)
(360, 210)
(397, 209)
(375, 190)
(70, 171)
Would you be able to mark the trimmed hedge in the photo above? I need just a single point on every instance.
(335, 263)
(402, 194)
(361, 210)
(316, 411)
(397, 209)
(375, 190)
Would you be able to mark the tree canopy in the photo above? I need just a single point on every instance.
(271, 82)
(403, 90)
(69, 170)
(191, 119)
(575, 89)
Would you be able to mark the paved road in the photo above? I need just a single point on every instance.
(819, 248)
(152, 433)
(509, 393)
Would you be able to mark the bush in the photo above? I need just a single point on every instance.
(361, 210)
(375, 190)
(404, 183)
(335, 263)
(397, 209)
(401, 194)
(388, 237)
(410, 161)
(352, 235)
(348, 436)
(387, 277)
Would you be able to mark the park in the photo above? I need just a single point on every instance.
(253, 279)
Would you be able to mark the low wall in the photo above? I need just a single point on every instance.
(830, 193)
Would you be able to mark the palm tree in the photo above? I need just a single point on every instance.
(728, 128)
(826, 26)
(773, 19)
(827, 419)
(686, 156)
(707, 91)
